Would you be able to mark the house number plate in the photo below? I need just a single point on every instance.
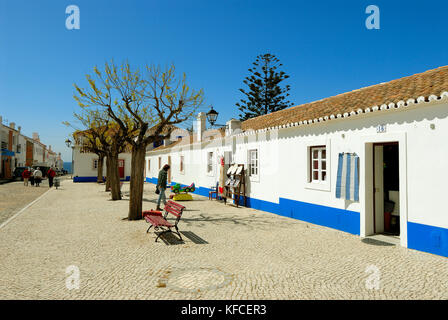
(381, 128)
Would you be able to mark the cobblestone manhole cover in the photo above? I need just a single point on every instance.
(197, 279)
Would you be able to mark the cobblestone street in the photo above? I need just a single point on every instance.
(14, 196)
(227, 253)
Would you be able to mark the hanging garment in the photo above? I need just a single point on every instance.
(347, 182)
(222, 177)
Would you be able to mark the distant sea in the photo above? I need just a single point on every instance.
(68, 166)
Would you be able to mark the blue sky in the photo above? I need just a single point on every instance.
(324, 46)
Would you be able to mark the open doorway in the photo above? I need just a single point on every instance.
(169, 171)
(386, 191)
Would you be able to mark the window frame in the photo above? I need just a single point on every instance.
(253, 176)
(181, 164)
(322, 185)
(319, 160)
(209, 163)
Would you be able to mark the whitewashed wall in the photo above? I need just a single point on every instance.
(421, 130)
(38, 153)
(83, 164)
(21, 157)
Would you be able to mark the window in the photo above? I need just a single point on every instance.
(209, 162)
(253, 163)
(160, 162)
(181, 165)
(318, 164)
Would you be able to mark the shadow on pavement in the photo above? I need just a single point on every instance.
(172, 239)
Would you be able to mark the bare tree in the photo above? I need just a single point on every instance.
(145, 106)
(103, 137)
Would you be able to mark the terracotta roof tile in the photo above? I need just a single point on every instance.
(174, 143)
(208, 135)
(432, 82)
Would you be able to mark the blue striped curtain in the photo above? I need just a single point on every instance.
(347, 182)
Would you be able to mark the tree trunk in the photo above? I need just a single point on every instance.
(114, 177)
(99, 178)
(136, 186)
(108, 173)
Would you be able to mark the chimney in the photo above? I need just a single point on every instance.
(233, 126)
(200, 126)
(19, 128)
(35, 136)
(12, 125)
(1, 120)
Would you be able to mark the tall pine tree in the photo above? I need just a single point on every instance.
(264, 94)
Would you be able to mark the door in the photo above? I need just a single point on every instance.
(144, 174)
(169, 171)
(7, 168)
(121, 168)
(386, 181)
(378, 189)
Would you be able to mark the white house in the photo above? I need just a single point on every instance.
(338, 162)
(85, 164)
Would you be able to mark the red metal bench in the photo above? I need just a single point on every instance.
(158, 221)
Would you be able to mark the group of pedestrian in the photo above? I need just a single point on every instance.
(34, 176)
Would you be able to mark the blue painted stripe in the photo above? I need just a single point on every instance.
(348, 177)
(339, 176)
(340, 219)
(428, 238)
(85, 179)
(151, 180)
(94, 179)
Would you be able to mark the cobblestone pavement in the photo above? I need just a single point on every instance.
(14, 196)
(228, 253)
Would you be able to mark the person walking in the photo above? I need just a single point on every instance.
(37, 176)
(51, 174)
(161, 185)
(26, 176)
(32, 176)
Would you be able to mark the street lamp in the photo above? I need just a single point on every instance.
(212, 115)
(68, 143)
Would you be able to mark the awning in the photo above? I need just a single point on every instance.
(7, 153)
(347, 183)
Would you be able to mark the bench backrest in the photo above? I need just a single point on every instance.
(175, 209)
